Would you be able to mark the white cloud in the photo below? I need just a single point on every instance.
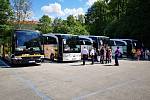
(53, 9)
(90, 2)
(74, 11)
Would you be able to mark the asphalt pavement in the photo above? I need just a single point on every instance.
(73, 81)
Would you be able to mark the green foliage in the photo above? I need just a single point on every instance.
(78, 29)
(81, 19)
(45, 24)
(76, 26)
(120, 19)
(134, 23)
(5, 27)
(5, 15)
(70, 26)
(137, 20)
(59, 26)
(5, 12)
(96, 18)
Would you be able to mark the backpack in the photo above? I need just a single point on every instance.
(117, 52)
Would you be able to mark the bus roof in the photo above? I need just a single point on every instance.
(129, 39)
(61, 34)
(51, 35)
(98, 36)
(56, 34)
(119, 41)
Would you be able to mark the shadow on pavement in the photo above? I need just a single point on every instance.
(24, 65)
(81, 64)
(109, 65)
(78, 65)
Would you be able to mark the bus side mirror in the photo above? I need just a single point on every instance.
(84, 42)
(64, 41)
(12, 56)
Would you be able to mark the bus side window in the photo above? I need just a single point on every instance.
(52, 40)
(111, 43)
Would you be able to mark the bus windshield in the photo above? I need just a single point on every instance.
(27, 40)
(137, 44)
(120, 43)
(71, 44)
(98, 41)
(85, 41)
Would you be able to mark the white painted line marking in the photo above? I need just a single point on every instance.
(29, 84)
(104, 90)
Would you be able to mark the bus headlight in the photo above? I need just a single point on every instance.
(17, 58)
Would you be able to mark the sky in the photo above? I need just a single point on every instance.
(59, 8)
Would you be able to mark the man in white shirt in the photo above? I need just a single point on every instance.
(84, 53)
(92, 53)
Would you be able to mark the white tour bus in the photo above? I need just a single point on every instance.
(132, 44)
(66, 47)
(114, 43)
(99, 41)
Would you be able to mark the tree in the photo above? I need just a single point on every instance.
(60, 26)
(22, 10)
(45, 24)
(118, 8)
(6, 15)
(70, 26)
(76, 26)
(96, 18)
(130, 19)
(137, 20)
(71, 20)
(81, 19)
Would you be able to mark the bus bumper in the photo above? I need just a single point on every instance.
(26, 60)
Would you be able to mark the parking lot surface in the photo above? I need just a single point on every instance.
(73, 81)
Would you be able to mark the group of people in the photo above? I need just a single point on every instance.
(102, 55)
(140, 54)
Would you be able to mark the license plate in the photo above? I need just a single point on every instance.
(31, 61)
(73, 58)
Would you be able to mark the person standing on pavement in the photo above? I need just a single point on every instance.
(52, 57)
(107, 55)
(102, 55)
(117, 54)
(92, 53)
(110, 55)
(84, 54)
(138, 54)
(147, 54)
(98, 55)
